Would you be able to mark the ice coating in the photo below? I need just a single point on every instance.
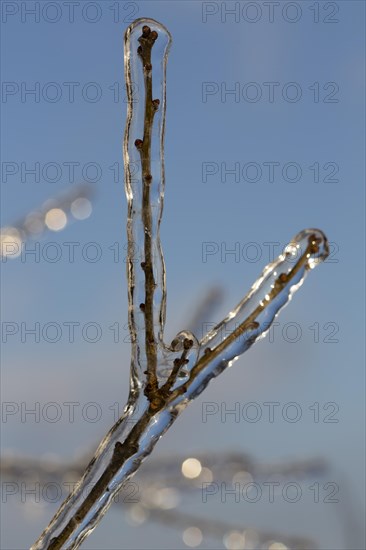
(272, 290)
(147, 44)
(164, 378)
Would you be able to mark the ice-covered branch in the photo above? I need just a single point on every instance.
(164, 379)
(146, 309)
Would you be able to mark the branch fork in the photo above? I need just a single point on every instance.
(164, 378)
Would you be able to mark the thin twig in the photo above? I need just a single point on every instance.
(147, 41)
